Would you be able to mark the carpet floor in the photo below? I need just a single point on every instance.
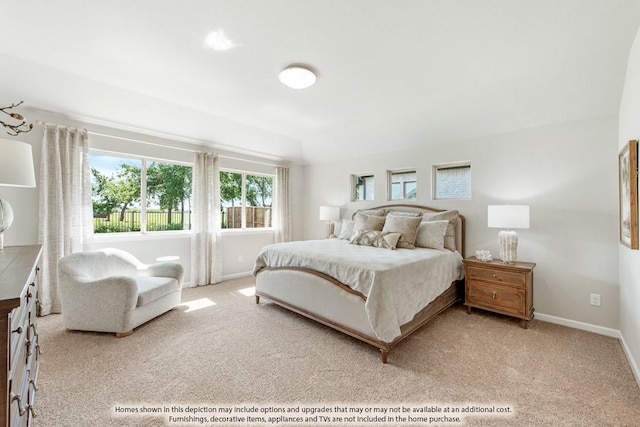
(220, 359)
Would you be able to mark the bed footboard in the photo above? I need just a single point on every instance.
(327, 302)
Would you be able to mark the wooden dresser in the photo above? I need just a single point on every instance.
(18, 333)
(501, 288)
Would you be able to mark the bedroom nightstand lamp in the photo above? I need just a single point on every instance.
(508, 216)
(16, 170)
(329, 214)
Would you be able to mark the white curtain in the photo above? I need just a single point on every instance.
(206, 266)
(66, 222)
(282, 203)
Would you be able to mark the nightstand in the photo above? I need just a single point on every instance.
(501, 288)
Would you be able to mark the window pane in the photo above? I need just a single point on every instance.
(231, 199)
(403, 185)
(115, 192)
(363, 187)
(259, 190)
(453, 182)
(168, 197)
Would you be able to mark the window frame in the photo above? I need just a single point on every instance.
(244, 228)
(390, 174)
(144, 160)
(445, 166)
(353, 185)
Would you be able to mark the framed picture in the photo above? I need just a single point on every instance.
(628, 184)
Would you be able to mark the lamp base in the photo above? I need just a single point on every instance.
(329, 229)
(6, 218)
(508, 246)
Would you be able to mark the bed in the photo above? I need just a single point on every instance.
(369, 283)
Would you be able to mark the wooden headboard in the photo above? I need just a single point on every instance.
(459, 225)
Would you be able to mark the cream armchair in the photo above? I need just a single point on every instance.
(109, 290)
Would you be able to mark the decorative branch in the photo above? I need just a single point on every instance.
(22, 127)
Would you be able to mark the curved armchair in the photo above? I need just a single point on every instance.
(109, 290)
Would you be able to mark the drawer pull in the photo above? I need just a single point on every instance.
(33, 413)
(29, 295)
(32, 383)
(21, 409)
(494, 294)
(17, 330)
(493, 275)
(32, 284)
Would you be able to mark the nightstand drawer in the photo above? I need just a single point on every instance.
(495, 297)
(494, 275)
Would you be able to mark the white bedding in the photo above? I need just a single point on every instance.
(397, 283)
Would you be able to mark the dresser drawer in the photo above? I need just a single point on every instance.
(504, 299)
(506, 278)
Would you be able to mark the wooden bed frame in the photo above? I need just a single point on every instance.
(299, 290)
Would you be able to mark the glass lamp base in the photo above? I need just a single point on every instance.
(508, 246)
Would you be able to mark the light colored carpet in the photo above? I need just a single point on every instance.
(238, 353)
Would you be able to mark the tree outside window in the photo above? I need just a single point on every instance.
(245, 200)
(120, 205)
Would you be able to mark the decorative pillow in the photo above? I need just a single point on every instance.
(373, 212)
(346, 229)
(379, 239)
(450, 235)
(407, 226)
(369, 222)
(431, 234)
(402, 213)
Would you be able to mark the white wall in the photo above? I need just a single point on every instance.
(239, 249)
(629, 128)
(566, 173)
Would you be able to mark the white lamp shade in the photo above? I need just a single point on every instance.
(508, 216)
(329, 213)
(16, 164)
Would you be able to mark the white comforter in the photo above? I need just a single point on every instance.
(397, 283)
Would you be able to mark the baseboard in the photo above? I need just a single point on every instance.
(578, 325)
(614, 333)
(632, 362)
(236, 275)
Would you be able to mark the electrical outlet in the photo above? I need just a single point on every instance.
(595, 299)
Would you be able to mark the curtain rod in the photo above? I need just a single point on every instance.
(155, 144)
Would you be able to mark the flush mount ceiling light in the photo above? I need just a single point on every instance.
(297, 77)
(217, 40)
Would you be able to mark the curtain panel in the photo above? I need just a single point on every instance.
(206, 266)
(282, 203)
(66, 219)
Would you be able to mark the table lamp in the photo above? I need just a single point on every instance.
(329, 214)
(508, 217)
(16, 170)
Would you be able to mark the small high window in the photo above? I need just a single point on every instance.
(362, 187)
(402, 185)
(452, 181)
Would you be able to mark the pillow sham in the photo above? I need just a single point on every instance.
(407, 226)
(378, 239)
(346, 229)
(373, 212)
(450, 235)
(368, 222)
(431, 234)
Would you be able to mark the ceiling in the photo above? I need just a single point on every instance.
(391, 74)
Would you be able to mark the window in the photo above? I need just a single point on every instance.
(245, 200)
(139, 195)
(402, 185)
(452, 181)
(362, 187)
